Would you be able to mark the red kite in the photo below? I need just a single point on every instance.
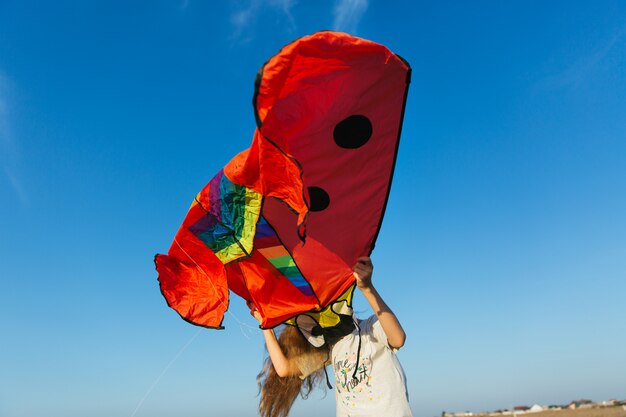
(282, 224)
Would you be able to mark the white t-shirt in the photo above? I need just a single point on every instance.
(379, 389)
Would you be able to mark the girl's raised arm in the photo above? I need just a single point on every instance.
(283, 366)
(391, 325)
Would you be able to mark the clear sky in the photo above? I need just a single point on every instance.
(503, 249)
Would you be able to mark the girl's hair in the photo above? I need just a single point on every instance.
(278, 394)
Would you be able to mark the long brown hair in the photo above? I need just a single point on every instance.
(278, 394)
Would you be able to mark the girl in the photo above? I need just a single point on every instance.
(369, 380)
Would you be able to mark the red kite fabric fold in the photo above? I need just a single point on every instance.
(282, 224)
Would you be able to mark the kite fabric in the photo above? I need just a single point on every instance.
(283, 223)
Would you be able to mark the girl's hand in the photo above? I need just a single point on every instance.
(363, 272)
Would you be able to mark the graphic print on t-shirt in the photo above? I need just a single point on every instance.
(349, 385)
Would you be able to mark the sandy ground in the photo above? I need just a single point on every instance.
(584, 412)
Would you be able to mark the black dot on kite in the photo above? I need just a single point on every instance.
(353, 132)
(319, 199)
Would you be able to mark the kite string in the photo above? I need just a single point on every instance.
(156, 381)
(241, 323)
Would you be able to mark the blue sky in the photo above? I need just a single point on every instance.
(503, 250)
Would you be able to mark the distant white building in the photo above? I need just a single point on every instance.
(536, 408)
